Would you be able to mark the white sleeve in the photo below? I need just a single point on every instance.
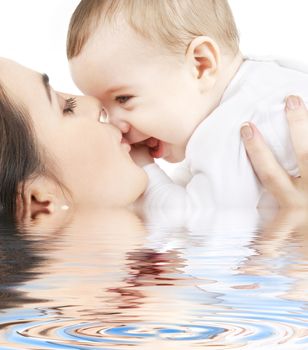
(181, 175)
(162, 193)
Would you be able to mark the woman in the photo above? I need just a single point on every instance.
(55, 152)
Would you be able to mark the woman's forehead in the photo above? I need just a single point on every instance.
(9, 67)
(16, 75)
(23, 84)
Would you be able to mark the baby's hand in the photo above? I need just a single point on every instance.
(140, 155)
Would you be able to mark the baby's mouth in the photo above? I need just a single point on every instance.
(155, 147)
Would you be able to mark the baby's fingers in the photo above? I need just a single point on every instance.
(272, 176)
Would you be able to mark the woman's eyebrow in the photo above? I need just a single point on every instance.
(45, 81)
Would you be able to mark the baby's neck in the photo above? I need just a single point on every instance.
(228, 68)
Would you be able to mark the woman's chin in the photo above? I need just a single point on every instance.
(142, 183)
(137, 184)
(143, 180)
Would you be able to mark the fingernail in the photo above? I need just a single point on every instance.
(246, 131)
(294, 102)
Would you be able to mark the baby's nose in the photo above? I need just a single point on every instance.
(120, 124)
(135, 136)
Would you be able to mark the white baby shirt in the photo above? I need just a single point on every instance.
(221, 174)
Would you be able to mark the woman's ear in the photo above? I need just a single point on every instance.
(203, 56)
(40, 196)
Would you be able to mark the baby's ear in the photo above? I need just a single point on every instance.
(203, 56)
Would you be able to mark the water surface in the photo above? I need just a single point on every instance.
(108, 280)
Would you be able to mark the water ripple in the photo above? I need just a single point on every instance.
(217, 329)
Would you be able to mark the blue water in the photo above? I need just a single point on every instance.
(114, 281)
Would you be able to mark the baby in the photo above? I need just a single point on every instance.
(171, 76)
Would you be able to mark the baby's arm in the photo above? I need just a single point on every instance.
(140, 155)
(162, 193)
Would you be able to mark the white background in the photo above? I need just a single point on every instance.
(33, 32)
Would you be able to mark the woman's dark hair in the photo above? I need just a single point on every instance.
(19, 155)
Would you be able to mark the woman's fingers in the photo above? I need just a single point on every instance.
(289, 192)
(297, 115)
(272, 176)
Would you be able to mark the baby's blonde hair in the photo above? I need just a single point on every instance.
(173, 23)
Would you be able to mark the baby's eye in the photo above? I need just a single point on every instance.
(123, 99)
(70, 105)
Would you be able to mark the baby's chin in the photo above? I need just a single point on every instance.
(173, 154)
(173, 159)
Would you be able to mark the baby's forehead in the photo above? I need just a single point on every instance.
(119, 38)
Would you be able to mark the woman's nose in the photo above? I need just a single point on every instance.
(90, 107)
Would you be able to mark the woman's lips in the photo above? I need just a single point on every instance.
(125, 144)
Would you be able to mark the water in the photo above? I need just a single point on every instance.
(108, 280)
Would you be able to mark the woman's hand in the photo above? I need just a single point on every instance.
(290, 192)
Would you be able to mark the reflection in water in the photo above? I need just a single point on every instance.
(146, 267)
(19, 256)
(105, 280)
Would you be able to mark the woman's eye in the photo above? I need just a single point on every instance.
(123, 99)
(70, 105)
